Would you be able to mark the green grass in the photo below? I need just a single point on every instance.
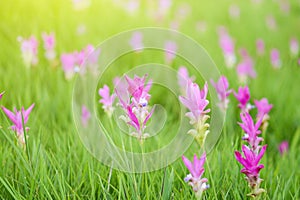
(56, 165)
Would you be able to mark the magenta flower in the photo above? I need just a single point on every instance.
(183, 78)
(49, 45)
(170, 51)
(85, 116)
(260, 47)
(283, 147)
(227, 45)
(136, 41)
(107, 100)
(251, 169)
(29, 49)
(263, 107)
(294, 46)
(196, 102)
(17, 119)
(251, 131)
(275, 58)
(243, 96)
(196, 170)
(223, 92)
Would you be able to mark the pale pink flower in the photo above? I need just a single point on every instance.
(136, 41)
(275, 58)
(29, 49)
(183, 78)
(17, 118)
(245, 68)
(271, 22)
(227, 45)
(283, 147)
(49, 45)
(175, 25)
(222, 89)
(201, 26)
(107, 100)
(234, 11)
(260, 47)
(68, 61)
(196, 169)
(132, 6)
(85, 116)
(285, 6)
(170, 51)
(294, 46)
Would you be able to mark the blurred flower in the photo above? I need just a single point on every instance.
(245, 67)
(183, 78)
(68, 61)
(29, 49)
(196, 170)
(263, 109)
(136, 41)
(227, 45)
(251, 131)
(251, 169)
(222, 89)
(89, 58)
(195, 100)
(294, 46)
(275, 58)
(260, 47)
(201, 26)
(85, 115)
(174, 25)
(285, 6)
(17, 118)
(81, 29)
(132, 6)
(49, 45)
(183, 11)
(271, 22)
(1, 95)
(81, 4)
(170, 51)
(283, 147)
(234, 11)
(243, 96)
(107, 100)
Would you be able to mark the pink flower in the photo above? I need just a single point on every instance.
(251, 131)
(195, 100)
(196, 170)
(107, 100)
(234, 11)
(88, 58)
(136, 41)
(170, 51)
(201, 26)
(271, 22)
(260, 47)
(85, 115)
(29, 49)
(245, 67)
(227, 45)
(283, 147)
(68, 61)
(275, 58)
(223, 92)
(263, 107)
(243, 96)
(17, 119)
(49, 45)
(183, 78)
(294, 46)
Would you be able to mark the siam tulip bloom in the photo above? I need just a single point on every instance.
(260, 47)
(196, 170)
(263, 108)
(245, 67)
(29, 49)
(223, 92)
(183, 78)
(68, 61)
(294, 47)
(136, 41)
(17, 118)
(275, 58)
(251, 169)
(283, 147)
(234, 11)
(49, 45)
(251, 131)
(88, 58)
(227, 45)
(243, 96)
(196, 102)
(107, 100)
(85, 116)
(136, 106)
(170, 51)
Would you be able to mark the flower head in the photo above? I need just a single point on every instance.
(136, 41)
(227, 45)
(183, 78)
(107, 100)
(171, 49)
(223, 92)
(245, 68)
(17, 118)
(49, 45)
(29, 49)
(85, 115)
(263, 107)
(196, 170)
(243, 96)
(68, 61)
(260, 47)
(283, 147)
(275, 58)
(294, 46)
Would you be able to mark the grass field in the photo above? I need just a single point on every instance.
(56, 165)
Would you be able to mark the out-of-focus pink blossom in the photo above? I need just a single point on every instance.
(170, 51)
(285, 6)
(271, 22)
(85, 116)
(260, 47)
(222, 89)
(107, 100)
(227, 45)
(234, 11)
(136, 41)
(263, 107)
(294, 46)
(29, 49)
(183, 78)
(283, 147)
(245, 68)
(201, 26)
(275, 58)
(68, 64)
(49, 45)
